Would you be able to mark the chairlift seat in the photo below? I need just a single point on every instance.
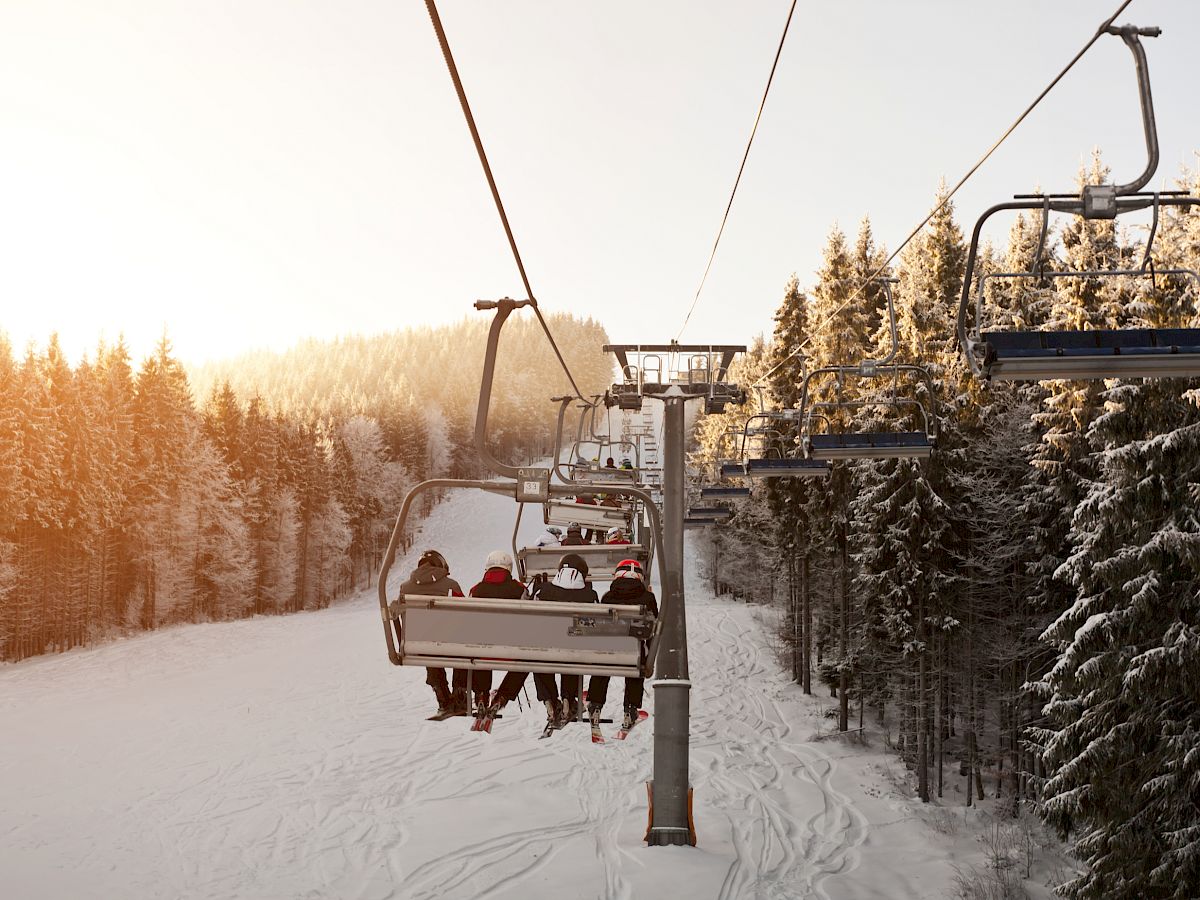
(870, 445)
(601, 559)
(787, 468)
(724, 492)
(1102, 353)
(520, 635)
(733, 470)
(606, 475)
(588, 515)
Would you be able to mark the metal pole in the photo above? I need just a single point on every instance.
(669, 820)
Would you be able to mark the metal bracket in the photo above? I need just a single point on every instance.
(533, 485)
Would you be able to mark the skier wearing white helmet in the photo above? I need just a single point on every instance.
(497, 584)
(551, 537)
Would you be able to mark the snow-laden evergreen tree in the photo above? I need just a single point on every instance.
(1123, 699)
(840, 313)
(1062, 461)
(907, 541)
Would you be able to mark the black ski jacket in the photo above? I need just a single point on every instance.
(432, 581)
(551, 591)
(631, 592)
(498, 584)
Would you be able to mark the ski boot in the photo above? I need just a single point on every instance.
(631, 717)
(554, 719)
(445, 702)
(458, 701)
(594, 714)
(570, 710)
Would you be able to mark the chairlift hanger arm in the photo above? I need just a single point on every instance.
(503, 308)
(1130, 34)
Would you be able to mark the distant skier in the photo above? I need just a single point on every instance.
(551, 537)
(497, 584)
(627, 464)
(616, 535)
(432, 578)
(568, 586)
(609, 464)
(574, 536)
(628, 588)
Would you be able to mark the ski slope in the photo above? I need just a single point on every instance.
(286, 757)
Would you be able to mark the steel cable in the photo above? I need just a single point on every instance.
(431, 6)
(741, 169)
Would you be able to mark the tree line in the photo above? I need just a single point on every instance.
(1021, 611)
(136, 498)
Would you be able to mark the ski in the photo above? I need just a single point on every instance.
(550, 728)
(442, 717)
(642, 716)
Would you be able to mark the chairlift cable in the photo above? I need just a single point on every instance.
(962, 181)
(431, 6)
(741, 169)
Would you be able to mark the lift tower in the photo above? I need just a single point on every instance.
(673, 373)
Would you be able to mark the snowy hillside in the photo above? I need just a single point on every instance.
(286, 758)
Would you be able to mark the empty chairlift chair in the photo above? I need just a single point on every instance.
(896, 443)
(1028, 355)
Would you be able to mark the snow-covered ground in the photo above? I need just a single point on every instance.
(287, 758)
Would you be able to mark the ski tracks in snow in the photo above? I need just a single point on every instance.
(284, 757)
(791, 829)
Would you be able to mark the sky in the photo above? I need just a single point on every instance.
(244, 174)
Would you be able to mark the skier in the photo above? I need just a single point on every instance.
(628, 588)
(497, 584)
(616, 535)
(569, 586)
(432, 578)
(627, 464)
(551, 537)
(609, 464)
(574, 536)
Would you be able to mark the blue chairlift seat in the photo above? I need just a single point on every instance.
(870, 445)
(787, 468)
(724, 492)
(1108, 353)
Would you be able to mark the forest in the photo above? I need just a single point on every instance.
(1019, 611)
(133, 499)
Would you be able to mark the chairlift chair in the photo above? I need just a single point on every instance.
(1089, 354)
(834, 445)
(721, 492)
(521, 635)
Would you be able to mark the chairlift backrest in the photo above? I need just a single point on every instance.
(525, 635)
